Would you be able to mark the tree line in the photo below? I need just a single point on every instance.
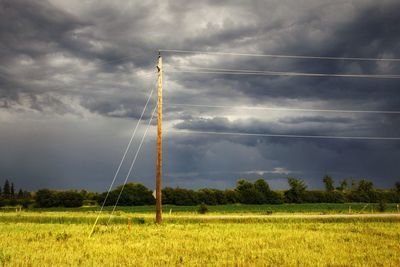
(9, 196)
(259, 192)
(245, 192)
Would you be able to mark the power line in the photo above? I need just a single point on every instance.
(279, 73)
(133, 163)
(287, 109)
(280, 56)
(267, 71)
(286, 135)
(120, 163)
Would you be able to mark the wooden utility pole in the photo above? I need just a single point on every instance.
(159, 141)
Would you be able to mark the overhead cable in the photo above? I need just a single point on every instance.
(120, 163)
(281, 73)
(280, 55)
(133, 163)
(285, 135)
(287, 109)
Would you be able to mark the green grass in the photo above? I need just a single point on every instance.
(319, 208)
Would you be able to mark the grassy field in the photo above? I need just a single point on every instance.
(298, 235)
(316, 208)
(202, 244)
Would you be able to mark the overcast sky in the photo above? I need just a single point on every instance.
(75, 75)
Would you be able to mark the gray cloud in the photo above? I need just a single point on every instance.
(316, 119)
(74, 77)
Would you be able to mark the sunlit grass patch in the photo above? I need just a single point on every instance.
(281, 242)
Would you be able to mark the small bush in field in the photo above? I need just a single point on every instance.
(382, 205)
(140, 221)
(203, 209)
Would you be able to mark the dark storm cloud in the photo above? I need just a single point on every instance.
(90, 66)
(33, 34)
(317, 119)
(305, 125)
(368, 32)
(33, 27)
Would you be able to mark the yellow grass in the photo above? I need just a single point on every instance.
(279, 243)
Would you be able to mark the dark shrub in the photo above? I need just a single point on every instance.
(231, 196)
(296, 193)
(335, 197)
(70, 199)
(248, 194)
(133, 194)
(382, 205)
(203, 209)
(211, 196)
(26, 202)
(46, 198)
(179, 196)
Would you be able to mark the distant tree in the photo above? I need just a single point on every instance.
(328, 181)
(6, 189)
(231, 196)
(27, 195)
(296, 193)
(207, 196)
(133, 194)
(20, 194)
(397, 187)
(363, 191)
(247, 193)
(365, 186)
(343, 185)
(1, 191)
(179, 196)
(46, 198)
(92, 196)
(211, 196)
(12, 190)
(262, 186)
(26, 202)
(353, 184)
(220, 197)
(69, 199)
(269, 196)
(84, 193)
